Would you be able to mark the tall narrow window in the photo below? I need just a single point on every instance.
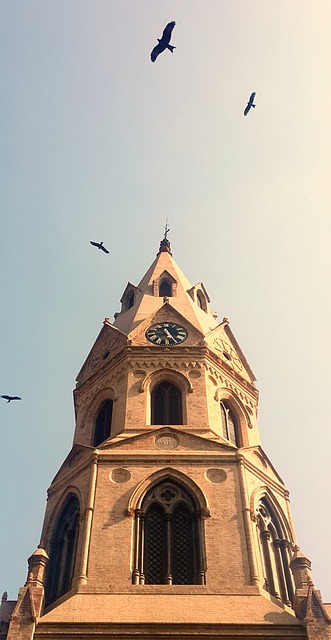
(201, 300)
(168, 529)
(166, 404)
(131, 300)
(103, 423)
(229, 425)
(165, 289)
(274, 553)
(63, 551)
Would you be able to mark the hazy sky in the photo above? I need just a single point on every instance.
(98, 143)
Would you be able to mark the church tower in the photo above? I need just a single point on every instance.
(167, 518)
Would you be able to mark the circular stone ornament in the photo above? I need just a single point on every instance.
(216, 476)
(119, 475)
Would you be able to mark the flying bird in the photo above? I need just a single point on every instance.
(10, 398)
(250, 103)
(99, 245)
(164, 42)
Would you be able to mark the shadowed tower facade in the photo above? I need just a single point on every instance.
(167, 518)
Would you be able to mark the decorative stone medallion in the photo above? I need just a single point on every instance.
(216, 476)
(166, 442)
(119, 475)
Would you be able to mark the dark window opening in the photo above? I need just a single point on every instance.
(63, 551)
(131, 301)
(275, 554)
(103, 423)
(166, 404)
(229, 424)
(165, 289)
(201, 300)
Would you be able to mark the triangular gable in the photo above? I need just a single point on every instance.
(315, 609)
(129, 287)
(167, 313)
(258, 458)
(177, 440)
(78, 454)
(108, 343)
(199, 286)
(223, 343)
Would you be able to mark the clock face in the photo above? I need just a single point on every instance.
(166, 334)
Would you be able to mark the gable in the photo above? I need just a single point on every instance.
(108, 343)
(79, 453)
(167, 438)
(223, 344)
(259, 459)
(167, 313)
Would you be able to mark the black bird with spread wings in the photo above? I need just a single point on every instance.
(164, 42)
(10, 398)
(99, 245)
(250, 103)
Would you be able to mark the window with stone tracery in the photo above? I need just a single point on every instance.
(63, 552)
(275, 553)
(168, 538)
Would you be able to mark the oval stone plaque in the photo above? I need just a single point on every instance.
(216, 476)
(166, 442)
(119, 475)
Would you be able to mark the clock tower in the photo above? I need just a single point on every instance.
(167, 518)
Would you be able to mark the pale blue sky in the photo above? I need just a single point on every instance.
(98, 143)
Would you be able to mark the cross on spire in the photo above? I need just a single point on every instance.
(165, 244)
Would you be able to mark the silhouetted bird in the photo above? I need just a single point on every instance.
(10, 398)
(99, 245)
(164, 42)
(250, 103)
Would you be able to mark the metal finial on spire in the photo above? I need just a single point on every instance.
(166, 230)
(165, 244)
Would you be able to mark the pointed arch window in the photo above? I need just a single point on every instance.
(166, 404)
(275, 553)
(201, 300)
(131, 300)
(103, 423)
(63, 552)
(229, 424)
(165, 289)
(168, 538)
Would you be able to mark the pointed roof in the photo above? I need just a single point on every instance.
(148, 301)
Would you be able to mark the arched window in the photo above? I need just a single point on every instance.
(166, 404)
(168, 530)
(103, 423)
(165, 289)
(229, 424)
(131, 300)
(274, 553)
(63, 551)
(201, 300)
